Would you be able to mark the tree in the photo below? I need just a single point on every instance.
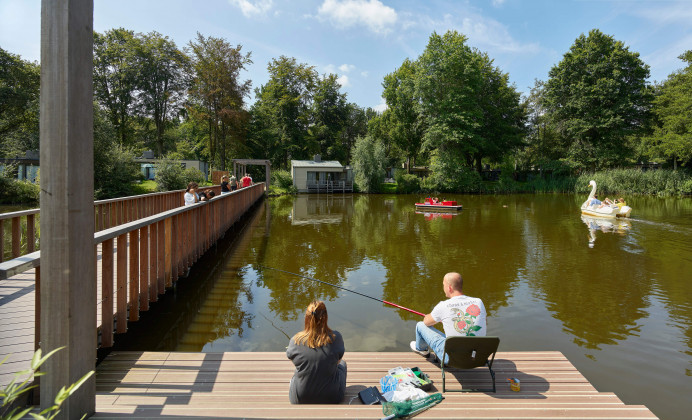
(284, 103)
(672, 108)
(330, 114)
(161, 82)
(218, 94)
(19, 93)
(406, 128)
(471, 112)
(598, 97)
(543, 148)
(116, 70)
(368, 164)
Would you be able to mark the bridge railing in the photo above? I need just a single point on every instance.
(140, 259)
(24, 236)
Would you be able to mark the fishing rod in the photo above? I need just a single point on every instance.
(348, 290)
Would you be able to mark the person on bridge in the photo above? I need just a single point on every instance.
(460, 315)
(225, 185)
(317, 352)
(246, 181)
(191, 196)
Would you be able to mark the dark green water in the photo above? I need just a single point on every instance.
(615, 299)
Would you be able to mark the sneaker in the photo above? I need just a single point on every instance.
(423, 353)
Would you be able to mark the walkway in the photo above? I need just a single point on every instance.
(255, 385)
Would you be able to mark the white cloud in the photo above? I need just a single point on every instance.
(364, 73)
(251, 8)
(346, 67)
(483, 33)
(343, 81)
(666, 14)
(498, 3)
(381, 107)
(330, 69)
(370, 13)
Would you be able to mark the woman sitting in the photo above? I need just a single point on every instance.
(320, 376)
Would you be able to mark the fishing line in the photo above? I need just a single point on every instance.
(348, 290)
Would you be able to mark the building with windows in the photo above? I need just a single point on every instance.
(318, 176)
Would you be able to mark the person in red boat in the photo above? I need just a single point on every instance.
(460, 315)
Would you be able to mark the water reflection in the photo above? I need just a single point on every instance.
(605, 225)
(436, 215)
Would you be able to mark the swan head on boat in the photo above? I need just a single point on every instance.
(592, 184)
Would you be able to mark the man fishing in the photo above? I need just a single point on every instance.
(460, 315)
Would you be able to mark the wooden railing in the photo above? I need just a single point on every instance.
(107, 214)
(141, 258)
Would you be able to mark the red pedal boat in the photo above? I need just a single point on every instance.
(431, 205)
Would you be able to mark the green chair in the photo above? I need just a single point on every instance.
(469, 353)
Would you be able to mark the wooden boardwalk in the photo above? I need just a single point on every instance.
(255, 385)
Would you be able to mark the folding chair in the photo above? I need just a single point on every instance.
(468, 353)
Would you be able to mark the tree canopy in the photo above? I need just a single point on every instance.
(672, 134)
(597, 97)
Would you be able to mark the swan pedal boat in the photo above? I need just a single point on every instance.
(603, 211)
(428, 205)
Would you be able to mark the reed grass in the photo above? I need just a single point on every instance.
(658, 182)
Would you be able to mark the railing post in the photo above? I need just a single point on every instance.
(121, 284)
(16, 237)
(144, 268)
(107, 293)
(153, 260)
(134, 276)
(30, 233)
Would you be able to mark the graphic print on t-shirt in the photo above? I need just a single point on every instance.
(465, 321)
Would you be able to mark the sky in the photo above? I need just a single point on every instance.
(363, 40)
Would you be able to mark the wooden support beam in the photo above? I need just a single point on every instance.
(68, 286)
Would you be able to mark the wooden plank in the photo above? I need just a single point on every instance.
(16, 237)
(30, 233)
(134, 275)
(107, 293)
(121, 285)
(255, 385)
(144, 267)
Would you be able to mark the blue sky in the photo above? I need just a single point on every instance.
(363, 40)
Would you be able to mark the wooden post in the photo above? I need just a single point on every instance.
(68, 286)
(134, 275)
(144, 269)
(30, 233)
(121, 284)
(107, 293)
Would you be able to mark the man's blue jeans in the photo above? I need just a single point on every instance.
(430, 338)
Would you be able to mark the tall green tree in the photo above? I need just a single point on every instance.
(161, 82)
(672, 108)
(544, 148)
(330, 115)
(406, 126)
(217, 94)
(369, 163)
(598, 97)
(19, 94)
(116, 70)
(471, 112)
(285, 103)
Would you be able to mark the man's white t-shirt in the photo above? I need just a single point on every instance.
(461, 315)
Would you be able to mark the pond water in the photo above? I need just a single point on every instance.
(615, 298)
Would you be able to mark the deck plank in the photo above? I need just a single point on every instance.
(144, 385)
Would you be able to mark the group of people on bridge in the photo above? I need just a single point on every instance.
(192, 195)
(317, 351)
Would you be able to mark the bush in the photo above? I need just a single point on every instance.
(13, 191)
(114, 172)
(406, 183)
(169, 175)
(282, 179)
(193, 175)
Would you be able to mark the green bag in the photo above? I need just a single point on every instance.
(396, 410)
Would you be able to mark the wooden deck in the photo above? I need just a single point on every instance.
(255, 385)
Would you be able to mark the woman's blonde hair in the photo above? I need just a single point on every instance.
(316, 332)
